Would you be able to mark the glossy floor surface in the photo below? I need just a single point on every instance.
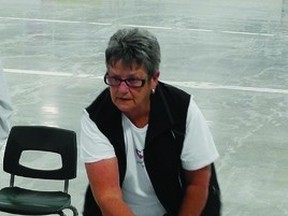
(232, 55)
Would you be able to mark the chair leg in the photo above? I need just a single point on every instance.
(62, 213)
(74, 210)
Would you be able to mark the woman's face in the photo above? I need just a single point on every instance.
(132, 101)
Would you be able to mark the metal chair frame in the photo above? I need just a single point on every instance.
(44, 139)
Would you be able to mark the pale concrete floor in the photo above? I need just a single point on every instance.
(231, 55)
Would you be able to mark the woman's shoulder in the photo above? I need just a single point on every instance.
(173, 92)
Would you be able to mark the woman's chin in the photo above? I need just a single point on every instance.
(124, 107)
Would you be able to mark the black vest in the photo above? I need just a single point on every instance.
(163, 144)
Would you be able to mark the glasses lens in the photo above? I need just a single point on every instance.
(134, 82)
(111, 80)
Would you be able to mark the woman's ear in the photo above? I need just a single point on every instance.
(154, 80)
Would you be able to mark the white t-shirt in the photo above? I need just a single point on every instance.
(198, 151)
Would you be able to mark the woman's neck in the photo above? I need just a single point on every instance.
(139, 119)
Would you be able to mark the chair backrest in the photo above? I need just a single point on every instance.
(46, 139)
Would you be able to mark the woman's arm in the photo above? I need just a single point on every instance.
(104, 182)
(196, 193)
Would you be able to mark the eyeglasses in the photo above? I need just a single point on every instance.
(131, 82)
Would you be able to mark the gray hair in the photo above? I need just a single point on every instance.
(134, 46)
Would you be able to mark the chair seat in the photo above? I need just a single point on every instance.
(29, 202)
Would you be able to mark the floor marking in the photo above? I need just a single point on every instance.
(206, 85)
(56, 21)
(49, 73)
(199, 30)
(140, 26)
(144, 26)
(249, 33)
(195, 85)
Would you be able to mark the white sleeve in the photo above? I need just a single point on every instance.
(5, 109)
(199, 149)
(94, 145)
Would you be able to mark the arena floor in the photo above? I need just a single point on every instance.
(230, 54)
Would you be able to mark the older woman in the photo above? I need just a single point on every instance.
(145, 144)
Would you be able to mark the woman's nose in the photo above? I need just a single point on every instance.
(123, 87)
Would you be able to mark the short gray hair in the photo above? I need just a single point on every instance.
(134, 46)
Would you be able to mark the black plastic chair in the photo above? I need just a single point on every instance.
(24, 201)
